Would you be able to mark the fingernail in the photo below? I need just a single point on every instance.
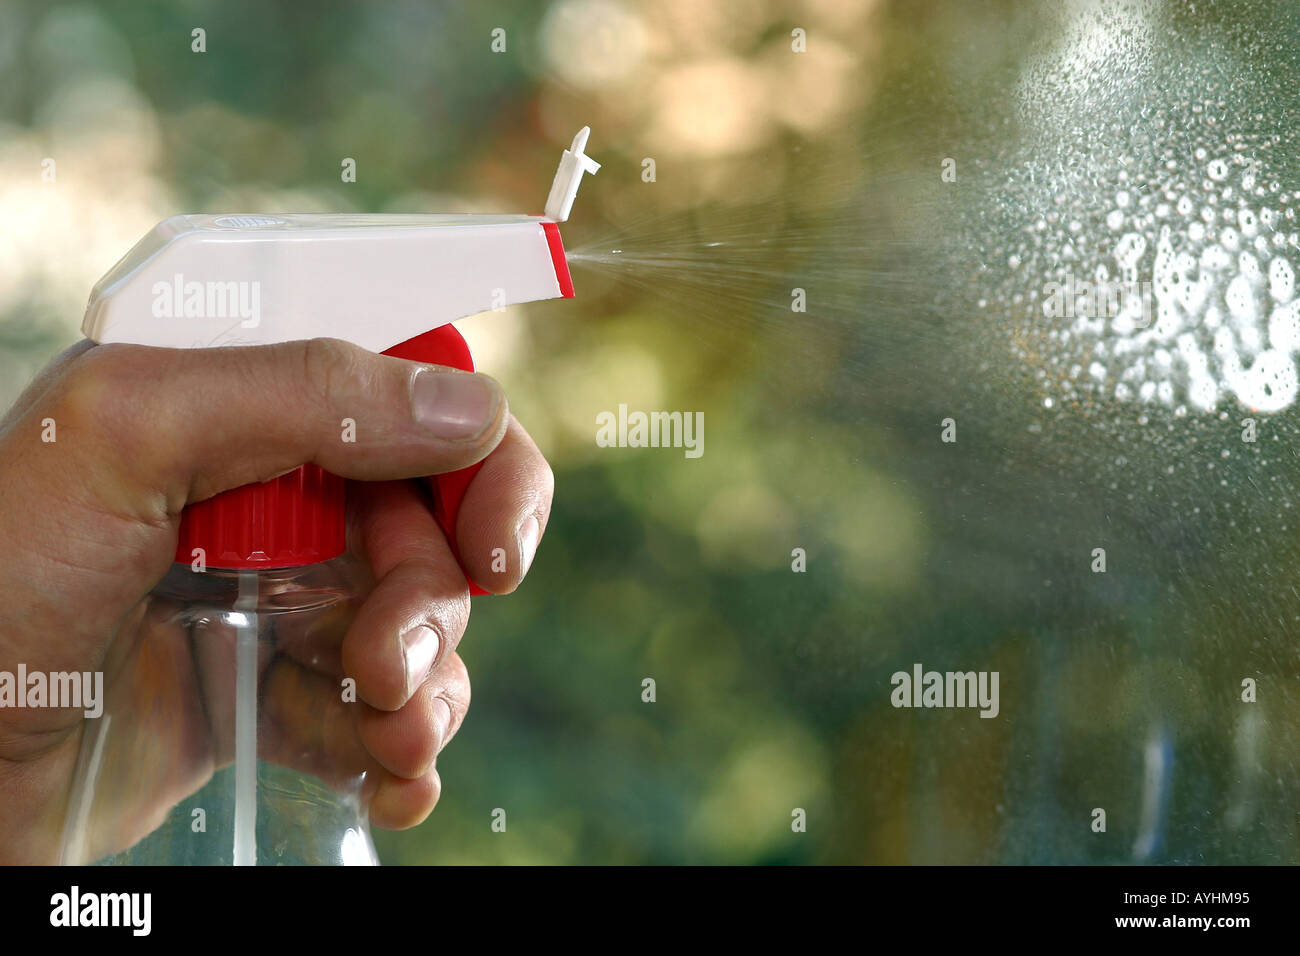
(530, 531)
(456, 406)
(442, 718)
(419, 648)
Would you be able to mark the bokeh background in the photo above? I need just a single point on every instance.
(774, 170)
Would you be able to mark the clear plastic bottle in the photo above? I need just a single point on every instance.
(230, 742)
(227, 735)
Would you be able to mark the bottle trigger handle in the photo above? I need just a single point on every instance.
(444, 346)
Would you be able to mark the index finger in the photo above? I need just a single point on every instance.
(504, 512)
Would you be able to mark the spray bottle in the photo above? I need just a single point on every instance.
(262, 585)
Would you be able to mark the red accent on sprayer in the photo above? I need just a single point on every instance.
(300, 518)
(558, 258)
(287, 522)
(444, 346)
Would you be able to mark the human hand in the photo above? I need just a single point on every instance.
(89, 523)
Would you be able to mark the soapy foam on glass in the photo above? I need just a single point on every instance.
(1224, 322)
(1134, 189)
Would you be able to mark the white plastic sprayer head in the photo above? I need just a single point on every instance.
(573, 164)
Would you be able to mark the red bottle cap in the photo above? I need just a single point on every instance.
(296, 519)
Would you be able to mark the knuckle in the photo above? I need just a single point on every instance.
(460, 705)
(457, 690)
(328, 364)
(547, 484)
(97, 391)
(450, 618)
(454, 691)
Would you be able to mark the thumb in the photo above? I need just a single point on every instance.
(185, 424)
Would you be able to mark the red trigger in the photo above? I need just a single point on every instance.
(444, 346)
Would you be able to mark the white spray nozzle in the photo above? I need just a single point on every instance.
(573, 164)
(205, 281)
